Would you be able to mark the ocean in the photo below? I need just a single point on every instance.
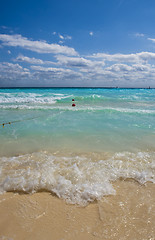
(76, 152)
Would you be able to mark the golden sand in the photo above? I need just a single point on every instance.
(129, 215)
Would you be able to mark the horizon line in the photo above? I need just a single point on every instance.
(83, 87)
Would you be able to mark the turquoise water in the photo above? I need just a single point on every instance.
(103, 119)
(108, 125)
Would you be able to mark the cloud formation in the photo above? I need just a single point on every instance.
(35, 46)
(78, 62)
(13, 68)
(130, 58)
(151, 39)
(139, 35)
(70, 69)
(56, 76)
(11, 74)
(118, 74)
(64, 37)
(32, 60)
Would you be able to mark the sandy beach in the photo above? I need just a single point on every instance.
(128, 215)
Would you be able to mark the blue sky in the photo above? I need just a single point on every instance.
(69, 43)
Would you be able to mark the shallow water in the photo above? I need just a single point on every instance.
(76, 152)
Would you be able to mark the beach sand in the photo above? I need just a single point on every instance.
(42, 216)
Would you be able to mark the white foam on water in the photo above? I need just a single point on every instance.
(68, 107)
(78, 179)
(31, 98)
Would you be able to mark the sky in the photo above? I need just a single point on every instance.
(77, 43)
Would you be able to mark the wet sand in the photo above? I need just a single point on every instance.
(129, 215)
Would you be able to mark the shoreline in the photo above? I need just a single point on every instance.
(127, 215)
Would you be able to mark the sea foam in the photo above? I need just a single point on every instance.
(77, 179)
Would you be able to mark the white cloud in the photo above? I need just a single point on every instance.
(11, 73)
(100, 69)
(56, 76)
(73, 62)
(131, 58)
(137, 75)
(118, 74)
(61, 37)
(64, 37)
(57, 71)
(119, 68)
(78, 62)
(143, 68)
(91, 33)
(139, 35)
(36, 46)
(151, 39)
(33, 60)
(131, 71)
(13, 67)
(50, 69)
(68, 37)
(16, 75)
(22, 58)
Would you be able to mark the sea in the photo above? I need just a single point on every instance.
(76, 142)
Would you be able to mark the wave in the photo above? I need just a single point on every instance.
(31, 98)
(79, 179)
(23, 97)
(77, 108)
